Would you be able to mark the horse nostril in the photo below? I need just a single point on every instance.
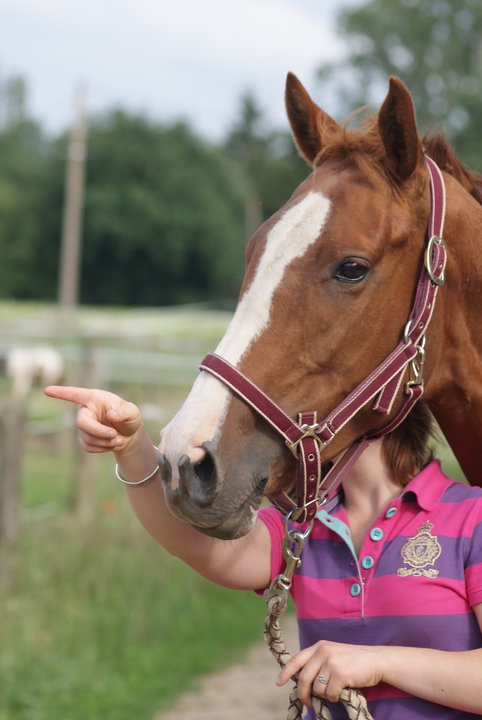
(206, 470)
(199, 479)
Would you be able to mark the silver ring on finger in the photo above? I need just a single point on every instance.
(322, 679)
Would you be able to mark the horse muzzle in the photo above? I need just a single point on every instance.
(197, 493)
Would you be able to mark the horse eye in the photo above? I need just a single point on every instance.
(351, 271)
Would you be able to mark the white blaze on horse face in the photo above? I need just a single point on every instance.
(290, 238)
(205, 408)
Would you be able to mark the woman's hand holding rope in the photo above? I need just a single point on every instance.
(326, 668)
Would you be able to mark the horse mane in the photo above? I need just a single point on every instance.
(436, 146)
(363, 148)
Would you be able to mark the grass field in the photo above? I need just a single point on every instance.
(103, 624)
(98, 621)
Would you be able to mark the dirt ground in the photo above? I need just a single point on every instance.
(240, 691)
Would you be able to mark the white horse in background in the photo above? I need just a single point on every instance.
(27, 366)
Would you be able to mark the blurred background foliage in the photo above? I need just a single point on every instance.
(434, 46)
(167, 214)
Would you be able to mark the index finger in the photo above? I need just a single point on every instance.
(80, 396)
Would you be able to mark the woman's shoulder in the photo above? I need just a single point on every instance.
(452, 500)
(434, 479)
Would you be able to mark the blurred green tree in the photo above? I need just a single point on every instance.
(166, 214)
(271, 165)
(434, 46)
(163, 216)
(28, 253)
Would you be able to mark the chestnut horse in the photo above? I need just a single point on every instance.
(329, 285)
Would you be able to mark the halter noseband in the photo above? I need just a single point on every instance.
(308, 437)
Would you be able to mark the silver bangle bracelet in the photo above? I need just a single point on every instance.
(137, 482)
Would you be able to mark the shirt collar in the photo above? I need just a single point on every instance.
(428, 486)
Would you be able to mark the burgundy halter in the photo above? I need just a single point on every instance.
(307, 438)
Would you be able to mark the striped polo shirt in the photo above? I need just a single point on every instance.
(414, 583)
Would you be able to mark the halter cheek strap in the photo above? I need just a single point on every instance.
(307, 437)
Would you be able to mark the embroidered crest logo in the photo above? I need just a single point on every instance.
(419, 552)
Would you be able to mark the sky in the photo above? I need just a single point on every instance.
(168, 59)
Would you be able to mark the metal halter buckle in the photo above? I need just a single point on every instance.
(309, 431)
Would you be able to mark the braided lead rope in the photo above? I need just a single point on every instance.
(353, 700)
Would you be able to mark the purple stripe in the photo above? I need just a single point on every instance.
(474, 555)
(441, 632)
(450, 564)
(459, 493)
(325, 559)
(415, 709)
(330, 558)
(402, 709)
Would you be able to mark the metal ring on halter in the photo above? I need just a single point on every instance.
(406, 332)
(437, 280)
(296, 511)
(406, 336)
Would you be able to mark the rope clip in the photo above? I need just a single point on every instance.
(416, 367)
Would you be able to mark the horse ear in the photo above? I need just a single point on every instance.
(311, 127)
(398, 130)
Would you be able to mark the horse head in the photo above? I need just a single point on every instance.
(328, 287)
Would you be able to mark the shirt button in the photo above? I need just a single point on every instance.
(367, 562)
(376, 534)
(355, 589)
(390, 512)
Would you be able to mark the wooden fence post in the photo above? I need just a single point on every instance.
(83, 474)
(12, 443)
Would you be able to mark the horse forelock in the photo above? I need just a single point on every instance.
(360, 147)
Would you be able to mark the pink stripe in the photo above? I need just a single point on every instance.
(473, 576)
(383, 692)
(407, 592)
(455, 518)
(307, 593)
